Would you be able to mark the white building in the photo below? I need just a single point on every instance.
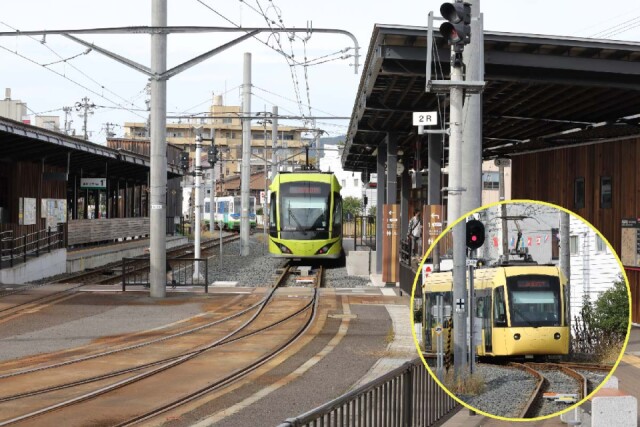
(351, 182)
(594, 268)
(13, 109)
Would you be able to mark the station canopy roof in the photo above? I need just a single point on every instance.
(23, 142)
(541, 92)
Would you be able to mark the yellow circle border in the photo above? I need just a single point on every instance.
(417, 343)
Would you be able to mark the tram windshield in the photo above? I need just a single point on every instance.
(304, 210)
(534, 300)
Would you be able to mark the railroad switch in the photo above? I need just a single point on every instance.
(561, 397)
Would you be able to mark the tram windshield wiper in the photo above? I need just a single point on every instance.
(523, 317)
(292, 216)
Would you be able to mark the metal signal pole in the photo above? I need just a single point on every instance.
(246, 157)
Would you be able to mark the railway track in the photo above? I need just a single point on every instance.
(28, 298)
(557, 385)
(112, 273)
(184, 364)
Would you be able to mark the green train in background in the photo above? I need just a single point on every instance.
(227, 210)
(305, 216)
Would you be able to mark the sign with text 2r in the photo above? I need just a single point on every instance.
(429, 118)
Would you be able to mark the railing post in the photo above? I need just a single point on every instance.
(124, 286)
(49, 239)
(407, 397)
(38, 243)
(206, 277)
(13, 248)
(24, 248)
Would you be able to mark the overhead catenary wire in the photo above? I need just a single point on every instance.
(66, 61)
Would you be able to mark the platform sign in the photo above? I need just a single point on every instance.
(390, 243)
(630, 247)
(93, 183)
(429, 118)
(432, 220)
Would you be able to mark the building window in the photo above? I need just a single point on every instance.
(574, 241)
(601, 246)
(344, 183)
(227, 120)
(605, 192)
(578, 193)
(490, 180)
(355, 182)
(287, 137)
(230, 135)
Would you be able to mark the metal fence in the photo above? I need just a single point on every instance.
(180, 272)
(406, 396)
(14, 250)
(365, 232)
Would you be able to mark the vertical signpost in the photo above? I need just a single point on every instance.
(433, 219)
(390, 243)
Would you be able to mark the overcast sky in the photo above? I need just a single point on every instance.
(327, 89)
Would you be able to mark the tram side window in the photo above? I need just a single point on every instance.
(499, 310)
(337, 215)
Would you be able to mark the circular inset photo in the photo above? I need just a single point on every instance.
(525, 310)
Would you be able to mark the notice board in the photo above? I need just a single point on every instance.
(630, 242)
(390, 243)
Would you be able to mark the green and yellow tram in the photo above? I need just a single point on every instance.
(519, 310)
(305, 218)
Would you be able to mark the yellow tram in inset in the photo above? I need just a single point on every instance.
(305, 215)
(519, 310)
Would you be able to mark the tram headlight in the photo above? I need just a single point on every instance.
(284, 249)
(324, 249)
(556, 336)
(516, 337)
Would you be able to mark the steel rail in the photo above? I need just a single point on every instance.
(176, 360)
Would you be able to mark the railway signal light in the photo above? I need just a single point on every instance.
(456, 30)
(212, 154)
(475, 234)
(184, 160)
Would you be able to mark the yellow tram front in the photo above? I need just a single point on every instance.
(305, 218)
(518, 311)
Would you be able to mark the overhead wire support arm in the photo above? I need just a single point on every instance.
(251, 31)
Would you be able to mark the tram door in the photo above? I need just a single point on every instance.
(486, 325)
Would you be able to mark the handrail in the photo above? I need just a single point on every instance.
(409, 383)
(12, 249)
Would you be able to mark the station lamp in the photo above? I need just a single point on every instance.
(456, 30)
(475, 234)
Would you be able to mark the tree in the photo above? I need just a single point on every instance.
(351, 206)
(371, 211)
(612, 310)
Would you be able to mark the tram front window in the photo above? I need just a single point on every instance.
(534, 301)
(304, 210)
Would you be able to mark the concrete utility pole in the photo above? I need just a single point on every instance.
(245, 175)
(565, 262)
(67, 122)
(503, 214)
(87, 108)
(264, 122)
(459, 231)
(198, 205)
(434, 185)
(213, 206)
(473, 57)
(157, 220)
(274, 142)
